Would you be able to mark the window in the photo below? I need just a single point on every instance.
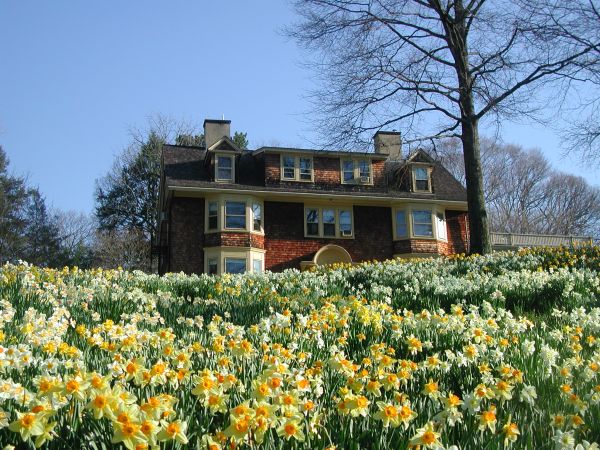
(440, 222)
(256, 217)
(289, 167)
(421, 179)
(312, 222)
(213, 215)
(328, 222)
(212, 266)
(356, 171)
(235, 265)
(306, 169)
(422, 226)
(257, 265)
(345, 223)
(296, 168)
(401, 229)
(224, 168)
(348, 171)
(235, 215)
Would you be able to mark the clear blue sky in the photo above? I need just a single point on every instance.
(76, 76)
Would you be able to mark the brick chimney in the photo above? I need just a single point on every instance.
(215, 129)
(388, 143)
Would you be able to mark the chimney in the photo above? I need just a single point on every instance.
(215, 129)
(388, 143)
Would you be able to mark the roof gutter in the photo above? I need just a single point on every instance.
(458, 204)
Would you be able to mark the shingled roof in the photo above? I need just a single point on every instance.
(185, 167)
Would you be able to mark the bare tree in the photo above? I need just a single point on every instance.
(127, 249)
(523, 193)
(76, 234)
(407, 63)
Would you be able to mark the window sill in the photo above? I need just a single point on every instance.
(293, 180)
(236, 230)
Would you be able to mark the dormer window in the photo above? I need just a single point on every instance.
(296, 168)
(224, 168)
(356, 171)
(421, 179)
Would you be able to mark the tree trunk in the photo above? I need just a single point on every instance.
(479, 235)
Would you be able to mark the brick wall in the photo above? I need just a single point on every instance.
(233, 239)
(457, 223)
(186, 235)
(286, 245)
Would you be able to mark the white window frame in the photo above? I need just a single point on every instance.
(430, 223)
(439, 228)
(357, 178)
(221, 201)
(320, 224)
(245, 215)
(414, 169)
(222, 254)
(297, 172)
(208, 215)
(232, 159)
(404, 214)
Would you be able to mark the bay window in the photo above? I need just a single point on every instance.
(234, 213)
(419, 222)
(220, 260)
(312, 222)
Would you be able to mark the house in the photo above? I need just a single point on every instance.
(224, 209)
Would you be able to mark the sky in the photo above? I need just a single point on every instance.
(76, 77)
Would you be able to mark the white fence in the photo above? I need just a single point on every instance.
(514, 240)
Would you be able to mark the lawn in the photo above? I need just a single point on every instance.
(465, 352)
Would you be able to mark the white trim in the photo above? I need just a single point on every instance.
(408, 209)
(221, 200)
(357, 179)
(387, 201)
(221, 254)
(232, 159)
(296, 176)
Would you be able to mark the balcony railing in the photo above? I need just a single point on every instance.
(515, 240)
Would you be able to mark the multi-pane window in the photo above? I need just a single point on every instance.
(298, 168)
(328, 222)
(356, 171)
(235, 214)
(305, 169)
(401, 228)
(312, 222)
(422, 226)
(224, 168)
(421, 176)
(213, 215)
(348, 171)
(257, 265)
(289, 167)
(345, 222)
(235, 265)
(256, 217)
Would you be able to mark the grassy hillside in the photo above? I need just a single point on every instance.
(470, 352)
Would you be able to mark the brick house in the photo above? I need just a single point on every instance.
(224, 209)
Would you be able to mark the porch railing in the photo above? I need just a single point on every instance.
(514, 240)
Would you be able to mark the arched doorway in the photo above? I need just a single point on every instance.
(331, 254)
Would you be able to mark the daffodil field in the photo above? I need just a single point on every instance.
(464, 353)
